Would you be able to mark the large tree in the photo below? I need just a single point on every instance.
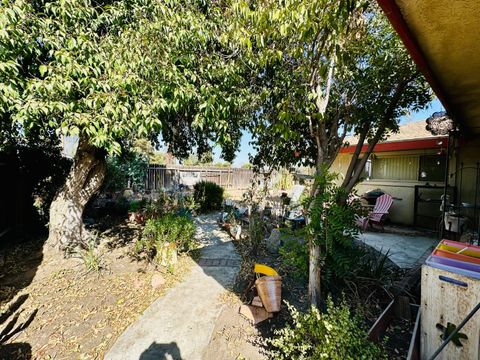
(112, 71)
(325, 69)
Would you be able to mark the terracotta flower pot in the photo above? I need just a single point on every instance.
(136, 217)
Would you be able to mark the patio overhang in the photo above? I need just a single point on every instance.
(443, 39)
(417, 144)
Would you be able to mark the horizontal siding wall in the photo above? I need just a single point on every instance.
(395, 168)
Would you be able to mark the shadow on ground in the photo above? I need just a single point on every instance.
(18, 267)
(11, 327)
(161, 352)
(117, 229)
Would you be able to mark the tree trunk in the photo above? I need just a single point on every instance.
(319, 133)
(66, 229)
(314, 274)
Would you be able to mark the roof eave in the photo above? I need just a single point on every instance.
(395, 17)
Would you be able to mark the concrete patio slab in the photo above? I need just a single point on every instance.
(403, 250)
(179, 325)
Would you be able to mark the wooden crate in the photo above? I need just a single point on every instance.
(448, 298)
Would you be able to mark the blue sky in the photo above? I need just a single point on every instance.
(246, 148)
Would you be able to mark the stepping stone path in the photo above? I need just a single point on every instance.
(179, 325)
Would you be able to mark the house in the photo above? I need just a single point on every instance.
(409, 163)
(442, 39)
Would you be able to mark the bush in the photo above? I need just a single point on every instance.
(295, 258)
(126, 171)
(208, 195)
(332, 226)
(137, 205)
(257, 228)
(168, 229)
(335, 335)
(170, 203)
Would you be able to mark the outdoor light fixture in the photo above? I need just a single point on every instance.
(440, 124)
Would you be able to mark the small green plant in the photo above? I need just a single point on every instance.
(337, 334)
(208, 196)
(332, 226)
(187, 203)
(136, 205)
(90, 258)
(164, 232)
(295, 258)
(256, 232)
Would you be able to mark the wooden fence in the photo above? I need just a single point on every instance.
(167, 176)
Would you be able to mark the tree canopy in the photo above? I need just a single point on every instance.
(325, 69)
(109, 71)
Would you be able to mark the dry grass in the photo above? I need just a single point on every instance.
(79, 314)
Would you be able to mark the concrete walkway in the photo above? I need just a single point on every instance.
(403, 250)
(179, 325)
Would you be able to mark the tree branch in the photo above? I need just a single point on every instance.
(356, 154)
(397, 95)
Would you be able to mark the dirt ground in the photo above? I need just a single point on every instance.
(234, 337)
(52, 308)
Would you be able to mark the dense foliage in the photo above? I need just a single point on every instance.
(125, 171)
(110, 73)
(336, 334)
(107, 71)
(295, 259)
(325, 69)
(332, 227)
(163, 231)
(208, 195)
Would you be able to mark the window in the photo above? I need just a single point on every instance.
(432, 168)
(395, 168)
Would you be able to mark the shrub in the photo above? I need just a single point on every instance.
(137, 205)
(188, 203)
(167, 203)
(257, 229)
(335, 335)
(295, 258)
(126, 171)
(168, 229)
(163, 205)
(333, 227)
(208, 195)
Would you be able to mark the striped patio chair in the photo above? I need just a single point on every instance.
(379, 212)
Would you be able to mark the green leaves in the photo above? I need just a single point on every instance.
(336, 334)
(323, 69)
(332, 226)
(111, 71)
